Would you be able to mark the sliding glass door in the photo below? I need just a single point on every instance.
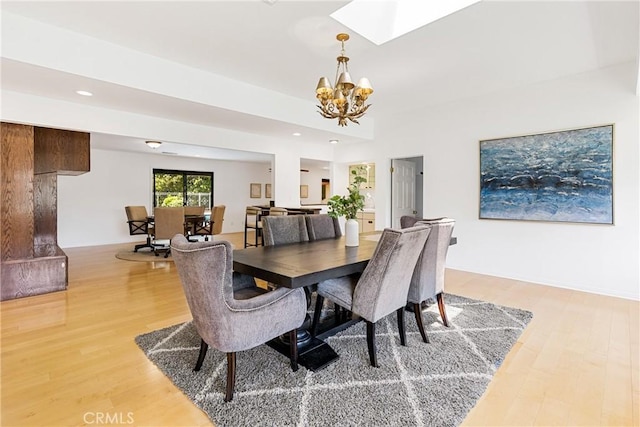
(182, 188)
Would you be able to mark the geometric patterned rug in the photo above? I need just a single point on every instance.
(421, 384)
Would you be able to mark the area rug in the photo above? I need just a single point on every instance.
(421, 384)
(143, 255)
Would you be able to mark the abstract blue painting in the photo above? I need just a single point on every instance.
(564, 176)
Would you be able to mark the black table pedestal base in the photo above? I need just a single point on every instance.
(314, 355)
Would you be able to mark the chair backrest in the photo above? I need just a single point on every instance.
(322, 226)
(428, 277)
(384, 284)
(205, 270)
(217, 217)
(252, 216)
(137, 220)
(409, 220)
(278, 230)
(168, 222)
(278, 211)
(194, 210)
(136, 213)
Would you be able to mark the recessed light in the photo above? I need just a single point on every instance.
(84, 93)
(296, 134)
(333, 141)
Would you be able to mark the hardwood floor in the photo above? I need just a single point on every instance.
(68, 358)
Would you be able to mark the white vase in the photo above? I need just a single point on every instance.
(352, 232)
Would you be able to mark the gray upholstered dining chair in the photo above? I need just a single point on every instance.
(382, 288)
(278, 230)
(428, 277)
(410, 220)
(229, 311)
(322, 226)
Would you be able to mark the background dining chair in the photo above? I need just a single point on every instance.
(278, 230)
(382, 288)
(322, 226)
(410, 220)
(229, 312)
(274, 211)
(428, 277)
(252, 221)
(193, 215)
(217, 218)
(194, 210)
(168, 221)
(138, 222)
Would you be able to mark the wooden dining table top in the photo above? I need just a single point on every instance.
(302, 264)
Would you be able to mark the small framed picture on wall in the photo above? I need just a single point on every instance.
(267, 191)
(304, 191)
(255, 190)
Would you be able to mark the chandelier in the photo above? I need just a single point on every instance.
(345, 101)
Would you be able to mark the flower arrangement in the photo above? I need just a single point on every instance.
(348, 206)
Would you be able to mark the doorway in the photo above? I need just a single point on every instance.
(406, 188)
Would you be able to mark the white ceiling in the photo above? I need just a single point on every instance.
(285, 47)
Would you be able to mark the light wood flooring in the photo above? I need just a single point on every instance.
(69, 358)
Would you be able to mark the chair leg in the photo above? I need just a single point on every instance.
(245, 237)
(293, 349)
(371, 343)
(401, 331)
(316, 315)
(231, 376)
(443, 312)
(203, 351)
(417, 310)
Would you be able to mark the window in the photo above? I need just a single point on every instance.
(182, 188)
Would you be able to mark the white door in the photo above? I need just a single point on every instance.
(403, 190)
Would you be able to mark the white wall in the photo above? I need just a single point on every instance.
(313, 179)
(91, 206)
(595, 258)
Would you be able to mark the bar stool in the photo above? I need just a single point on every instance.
(252, 220)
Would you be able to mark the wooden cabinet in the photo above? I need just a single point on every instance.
(366, 221)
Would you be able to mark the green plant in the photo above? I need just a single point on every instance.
(172, 201)
(348, 206)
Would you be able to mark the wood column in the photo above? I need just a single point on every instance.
(31, 262)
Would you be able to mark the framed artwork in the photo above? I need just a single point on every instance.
(267, 191)
(304, 191)
(564, 176)
(256, 191)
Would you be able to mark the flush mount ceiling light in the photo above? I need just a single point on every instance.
(153, 144)
(84, 93)
(345, 101)
(333, 141)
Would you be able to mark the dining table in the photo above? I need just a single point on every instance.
(301, 265)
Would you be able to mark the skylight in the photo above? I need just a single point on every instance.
(382, 20)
